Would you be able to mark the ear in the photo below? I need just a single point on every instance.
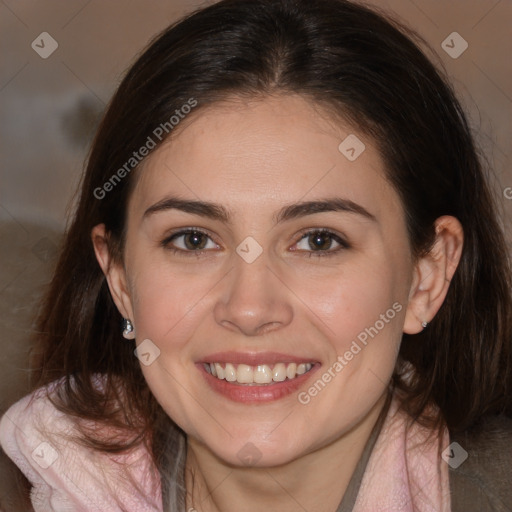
(114, 272)
(433, 273)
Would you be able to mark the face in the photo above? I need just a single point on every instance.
(254, 243)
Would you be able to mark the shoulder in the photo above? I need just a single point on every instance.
(44, 443)
(36, 418)
(481, 467)
(29, 416)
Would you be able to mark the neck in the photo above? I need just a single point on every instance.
(314, 481)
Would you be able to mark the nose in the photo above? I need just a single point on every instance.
(253, 300)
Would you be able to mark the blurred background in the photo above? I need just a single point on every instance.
(62, 61)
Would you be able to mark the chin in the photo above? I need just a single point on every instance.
(256, 452)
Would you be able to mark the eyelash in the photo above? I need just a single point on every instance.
(304, 234)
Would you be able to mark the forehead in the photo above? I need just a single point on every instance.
(263, 153)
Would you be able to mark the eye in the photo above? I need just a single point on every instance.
(321, 241)
(189, 240)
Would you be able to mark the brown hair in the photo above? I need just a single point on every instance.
(362, 66)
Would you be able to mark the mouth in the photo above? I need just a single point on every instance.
(255, 378)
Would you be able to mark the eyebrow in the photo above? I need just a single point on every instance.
(293, 211)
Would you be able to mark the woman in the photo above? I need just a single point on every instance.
(277, 289)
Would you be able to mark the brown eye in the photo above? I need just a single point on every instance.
(195, 240)
(322, 242)
(189, 241)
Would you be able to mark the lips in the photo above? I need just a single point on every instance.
(250, 377)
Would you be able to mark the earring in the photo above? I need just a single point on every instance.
(424, 324)
(128, 330)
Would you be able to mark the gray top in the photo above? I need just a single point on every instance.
(349, 498)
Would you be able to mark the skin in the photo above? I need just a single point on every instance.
(254, 158)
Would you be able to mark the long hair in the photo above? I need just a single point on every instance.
(358, 65)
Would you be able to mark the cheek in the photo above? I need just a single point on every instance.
(353, 299)
(168, 309)
(169, 304)
(362, 310)
(362, 313)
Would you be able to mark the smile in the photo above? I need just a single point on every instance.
(256, 377)
(260, 374)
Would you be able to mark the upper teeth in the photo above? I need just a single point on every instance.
(260, 374)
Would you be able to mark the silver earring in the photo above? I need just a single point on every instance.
(424, 324)
(128, 330)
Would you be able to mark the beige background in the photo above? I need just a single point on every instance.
(49, 108)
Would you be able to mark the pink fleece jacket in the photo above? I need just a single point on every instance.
(404, 472)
